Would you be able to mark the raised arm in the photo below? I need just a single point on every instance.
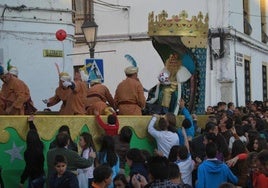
(151, 128)
(31, 123)
(186, 142)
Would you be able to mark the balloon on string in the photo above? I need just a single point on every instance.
(61, 34)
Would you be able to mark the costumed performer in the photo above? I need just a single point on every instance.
(75, 104)
(168, 92)
(99, 97)
(14, 94)
(61, 94)
(129, 95)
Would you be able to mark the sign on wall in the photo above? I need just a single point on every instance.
(52, 53)
(239, 59)
(95, 69)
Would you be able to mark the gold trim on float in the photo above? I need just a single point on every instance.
(48, 126)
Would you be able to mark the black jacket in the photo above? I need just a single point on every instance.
(67, 180)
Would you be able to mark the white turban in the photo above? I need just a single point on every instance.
(14, 70)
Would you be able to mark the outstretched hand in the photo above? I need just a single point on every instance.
(92, 154)
(96, 112)
(232, 161)
(45, 101)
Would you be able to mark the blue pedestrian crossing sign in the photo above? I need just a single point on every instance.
(94, 68)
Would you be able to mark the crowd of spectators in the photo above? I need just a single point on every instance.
(231, 150)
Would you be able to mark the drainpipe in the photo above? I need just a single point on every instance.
(236, 85)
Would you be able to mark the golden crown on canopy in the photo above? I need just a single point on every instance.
(179, 25)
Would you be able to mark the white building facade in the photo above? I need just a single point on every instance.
(27, 31)
(236, 70)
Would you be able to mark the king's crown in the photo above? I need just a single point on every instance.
(178, 25)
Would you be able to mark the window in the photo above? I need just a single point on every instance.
(264, 82)
(247, 81)
(264, 37)
(247, 26)
(84, 10)
(78, 17)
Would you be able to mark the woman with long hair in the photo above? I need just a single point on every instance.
(72, 145)
(240, 169)
(34, 159)
(107, 155)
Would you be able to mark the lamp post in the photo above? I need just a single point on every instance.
(89, 27)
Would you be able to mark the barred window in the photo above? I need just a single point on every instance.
(247, 81)
(78, 16)
(264, 82)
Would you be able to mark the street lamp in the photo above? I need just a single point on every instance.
(89, 29)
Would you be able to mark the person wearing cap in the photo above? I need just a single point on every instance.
(29, 108)
(98, 98)
(15, 93)
(61, 94)
(129, 95)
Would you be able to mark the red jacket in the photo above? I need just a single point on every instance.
(110, 130)
(260, 180)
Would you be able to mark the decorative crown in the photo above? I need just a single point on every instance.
(179, 25)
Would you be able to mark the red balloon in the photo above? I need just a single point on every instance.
(61, 34)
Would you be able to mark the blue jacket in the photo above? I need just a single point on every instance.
(212, 173)
(190, 131)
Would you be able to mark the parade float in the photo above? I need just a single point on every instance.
(186, 37)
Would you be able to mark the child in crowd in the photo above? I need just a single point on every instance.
(62, 178)
(136, 163)
(212, 172)
(102, 177)
(122, 145)
(187, 123)
(112, 125)
(180, 155)
(120, 181)
(174, 176)
(85, 176)
(165, 139)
